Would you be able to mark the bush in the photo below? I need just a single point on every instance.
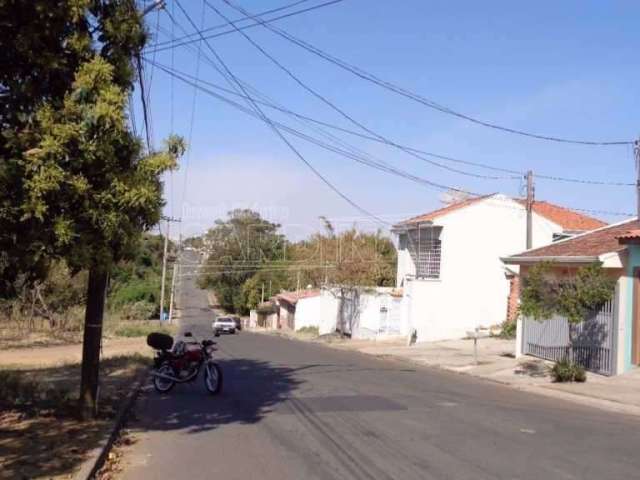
(508, 330)
(566, 371)
(309, 330)
(141, 310)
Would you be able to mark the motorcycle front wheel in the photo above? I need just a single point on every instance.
(163, 385)
(213, 378)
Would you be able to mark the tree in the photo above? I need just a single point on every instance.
(237, 248)
(74, 183)
(573, 298)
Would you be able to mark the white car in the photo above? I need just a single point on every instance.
(224, 325)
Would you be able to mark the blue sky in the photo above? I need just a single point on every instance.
(566, 69)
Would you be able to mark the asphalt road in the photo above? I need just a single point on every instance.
(293, 410)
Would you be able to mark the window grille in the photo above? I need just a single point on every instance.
(424, 246)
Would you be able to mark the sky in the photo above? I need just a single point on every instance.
(566, 69)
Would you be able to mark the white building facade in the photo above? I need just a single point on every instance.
(449, 265)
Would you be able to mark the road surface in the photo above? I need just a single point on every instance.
(293, 410)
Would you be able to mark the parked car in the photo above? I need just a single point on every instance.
(224, 325)
(238, 321)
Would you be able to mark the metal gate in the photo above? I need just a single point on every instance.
(593, 345)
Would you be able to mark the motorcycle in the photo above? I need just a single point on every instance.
(181, 363)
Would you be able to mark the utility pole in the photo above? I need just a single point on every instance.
(173, 284)
(262, 296)
(636, 151)
(298, 282)
(164, 263)
(530, 200)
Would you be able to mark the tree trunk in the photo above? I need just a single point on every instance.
(96, 291)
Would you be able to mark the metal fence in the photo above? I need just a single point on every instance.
(593, 339)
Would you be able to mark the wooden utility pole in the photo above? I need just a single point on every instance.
(164, 263)
(636, 151)
(173, 284)
(530, 200)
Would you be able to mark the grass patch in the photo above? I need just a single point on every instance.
(142, 329)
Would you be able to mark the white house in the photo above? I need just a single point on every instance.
(449, 263)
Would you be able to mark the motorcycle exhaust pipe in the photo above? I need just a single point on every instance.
(174, 379)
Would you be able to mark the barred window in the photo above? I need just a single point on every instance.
(424, 246)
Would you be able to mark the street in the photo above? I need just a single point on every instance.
(294, 410)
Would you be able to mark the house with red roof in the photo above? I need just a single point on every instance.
(449, 263)
(610, 339)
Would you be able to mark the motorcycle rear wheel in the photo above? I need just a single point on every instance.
(213, 378)
(163, 385)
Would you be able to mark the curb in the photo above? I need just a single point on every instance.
(98, 455)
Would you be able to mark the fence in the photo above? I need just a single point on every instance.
(593, 339)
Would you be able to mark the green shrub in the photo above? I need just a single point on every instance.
(579, 373)
(141, 310)
(309, 330)
(508, 330)
(566, 371)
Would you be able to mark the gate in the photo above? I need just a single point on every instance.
(593, 345)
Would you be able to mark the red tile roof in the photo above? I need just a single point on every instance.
(630, 235)
(567, 219)
(293, 297)
(428, 217)
(591, 244)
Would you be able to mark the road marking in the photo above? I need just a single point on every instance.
(447, 404)
(527, 430)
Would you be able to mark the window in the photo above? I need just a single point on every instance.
(424, 246)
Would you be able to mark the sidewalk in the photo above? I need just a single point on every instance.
(496, 362)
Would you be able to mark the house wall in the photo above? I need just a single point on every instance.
(626, 332)
(472, 289)
(379, 315)
(320, 311)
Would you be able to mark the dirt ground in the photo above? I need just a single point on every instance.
(52, 355)
(39, 441)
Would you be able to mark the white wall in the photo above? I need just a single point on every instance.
(472, 289)
(320, 311)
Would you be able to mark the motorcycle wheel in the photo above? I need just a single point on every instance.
(163, 385)
(213, 378)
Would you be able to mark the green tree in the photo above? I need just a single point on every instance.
(74, 183)
(237, 248)
(574, 298)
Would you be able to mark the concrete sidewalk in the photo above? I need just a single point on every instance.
(496, 362)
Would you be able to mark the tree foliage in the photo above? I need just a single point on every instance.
(572, 298)
(246, 253)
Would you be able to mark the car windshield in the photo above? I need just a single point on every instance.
(224, 320)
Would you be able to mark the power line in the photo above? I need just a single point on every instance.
(218, 27)
(275, 129)
(514, 174)
(227, 32)
(359, 72)
(320, 143)
(334, 107)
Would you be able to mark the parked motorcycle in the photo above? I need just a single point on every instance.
(181, 363)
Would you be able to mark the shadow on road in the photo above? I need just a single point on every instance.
(252, 389)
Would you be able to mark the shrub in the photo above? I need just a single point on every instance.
(508, 330)
(140, 310)
(309, 330)
(567, 371)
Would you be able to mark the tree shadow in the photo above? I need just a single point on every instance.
(40, 434)
(252, 389)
